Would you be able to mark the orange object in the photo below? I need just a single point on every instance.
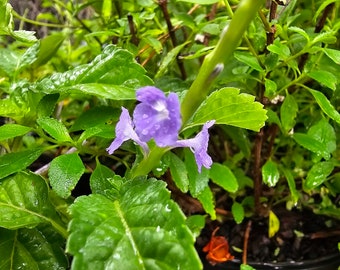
(218, 249)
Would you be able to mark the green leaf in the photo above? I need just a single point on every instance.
(113, 74)
(280, 49)
(333, 54)
(288, 112)
(227, 106)
(24, 203)
(299, 31)
(318, 174)
(270, 173)
(9, 60)
(55, 128)
(325, 37)
(324, 77)
(9, 131)
(24, 36)
(325, 105)
(200, 2)
(94, 117)
(48, 47)
(139, 228)
(168, 59)
(195, 223)
(17, 161)
(224, 177)
(311, 144)
(64, 173)
(108, 91)
(38, 248)
(324, 133)
(248, 59)
(291, 184)
(246, 267)
(178, 172)
(197, 181)
(206, 198)
(47, 105)
(270, 88)
(238, 212)
(100, 179)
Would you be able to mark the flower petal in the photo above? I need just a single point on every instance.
(157, 116)
(199, 146)
(124, 132)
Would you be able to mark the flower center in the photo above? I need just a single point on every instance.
(160, 107)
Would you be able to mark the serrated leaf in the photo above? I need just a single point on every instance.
(248, 59)
(325, 37)
(238, 212)
(55, 128)
(64, 173)
(333, 54)
(318, 174)
(9, 131)
(100, 179)
(288, 112)
(224, 177)
(17, 161)
(274, 224)
(324, 77)
(178, 172)
(140, 228)
(325, 105)
(9, 60)
(270, 173)
(311, 144)
(38, 248)
(227, 106)
(24, 36)
(113, 74)
(24, 203)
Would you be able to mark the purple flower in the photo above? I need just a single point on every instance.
(157, 116)
(199, 146)
(124, 132)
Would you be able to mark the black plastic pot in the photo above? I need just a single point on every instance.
(331, 262)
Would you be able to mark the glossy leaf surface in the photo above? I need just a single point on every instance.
(227, 106)
(64, 173)
(138, 227)
(24, 203)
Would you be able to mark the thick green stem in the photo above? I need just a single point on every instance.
(228, 42)
(149, 162)
(198, 91)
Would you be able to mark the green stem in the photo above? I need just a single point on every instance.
(228, 42)
(149, 162)
(198, 91)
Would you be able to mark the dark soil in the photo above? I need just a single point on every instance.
(303, 236)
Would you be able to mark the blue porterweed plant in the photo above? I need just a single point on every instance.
(158, 117)
(142, 119)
